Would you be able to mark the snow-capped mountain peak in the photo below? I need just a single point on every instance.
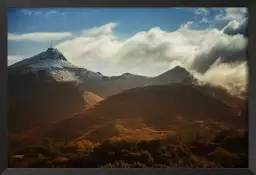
(53, 53)
(51, 58)
(54, 63)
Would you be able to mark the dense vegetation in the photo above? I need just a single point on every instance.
(227, 149)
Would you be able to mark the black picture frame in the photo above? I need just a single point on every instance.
(4, 4)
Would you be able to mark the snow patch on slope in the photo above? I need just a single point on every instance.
(64, 75)
(51, 64)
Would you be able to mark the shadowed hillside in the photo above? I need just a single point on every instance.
(33, 104)
(156, 107)
(175, 75)
(109, 86)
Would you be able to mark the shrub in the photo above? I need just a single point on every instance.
(75, 146)
(41, 163)
(225, 134)
(224, 157)
(158, 153)
(141, 156)
(160, 166)
(116, 164)
(203, 149)
(237, 144)
(137, 165)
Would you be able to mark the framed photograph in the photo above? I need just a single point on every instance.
(127, 88)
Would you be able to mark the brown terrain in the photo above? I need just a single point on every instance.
(127, 121)
(156, 107)
(176, 115)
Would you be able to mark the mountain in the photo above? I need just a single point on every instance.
(62, 115)
(154, 108)
(108, 86)
(47, 87)
(44, 88)
(176, 75)
(52, 66)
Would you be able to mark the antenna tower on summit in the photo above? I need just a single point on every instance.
(51, 44)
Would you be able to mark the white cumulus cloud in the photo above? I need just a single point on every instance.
(153, 51)
(39, 36)
(102, 30)
(232, 76)
(235, 20)
(236, 13)
(236, 27)
(195, 49)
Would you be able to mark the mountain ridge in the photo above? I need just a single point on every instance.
(49, 87)
(44, 87)
(166, 105)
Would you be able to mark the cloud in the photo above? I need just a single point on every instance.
(193, 49)
(220, 45)
(204, 20)
(155, 51)
(231, 76)
(13, 59)
(102, 30)
(201, 11)
(29, 12)
(35, 12)
(201, 15)
(187, 24)
(49, 13)
(210, 54)
(236, 27)
(233, 20)
(221, 18)
(39, 36)
(229, 14)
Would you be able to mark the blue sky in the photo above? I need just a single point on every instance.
(76, 19)
(118, 30)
